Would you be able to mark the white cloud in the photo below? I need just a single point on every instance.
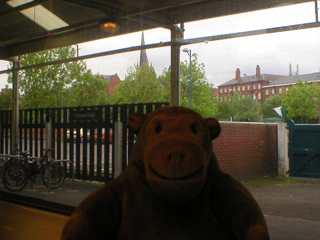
(3, 77)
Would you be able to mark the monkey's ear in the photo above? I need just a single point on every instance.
(214, 127)
(136, 121)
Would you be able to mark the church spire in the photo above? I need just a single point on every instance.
(143, 52)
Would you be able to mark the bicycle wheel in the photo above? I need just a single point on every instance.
(55, 175)
(15, 177)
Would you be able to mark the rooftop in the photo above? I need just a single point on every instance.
(273, 80)
(251, 78)
(284, 80)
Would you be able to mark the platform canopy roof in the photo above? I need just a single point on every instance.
(28, 26)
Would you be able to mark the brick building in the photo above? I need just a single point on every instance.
(283, 84)
(262, 86)
(5, 90)
(113, 80)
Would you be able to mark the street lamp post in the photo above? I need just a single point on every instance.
(250, 95)
(188, 51)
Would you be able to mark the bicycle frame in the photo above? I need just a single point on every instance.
(20, 169)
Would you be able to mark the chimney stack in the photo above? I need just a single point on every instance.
(238, 76)
(258, 74)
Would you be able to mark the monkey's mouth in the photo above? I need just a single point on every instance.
(190, 175)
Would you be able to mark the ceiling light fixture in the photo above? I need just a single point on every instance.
(110, 26)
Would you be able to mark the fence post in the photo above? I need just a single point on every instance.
(283, 157)
(48, 141)
(117, 149)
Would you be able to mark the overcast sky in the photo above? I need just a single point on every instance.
(273, 52)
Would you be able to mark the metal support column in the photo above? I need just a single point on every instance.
(15, 110)
(316, 10)
(117, 149)
(176, 33)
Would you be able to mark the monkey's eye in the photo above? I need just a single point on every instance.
(158, 128)
(194, 129)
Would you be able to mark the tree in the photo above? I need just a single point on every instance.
(267, 108)
(225, 109)
(88, 90)
(239, 108)
(303, 100)
(141, 85)
(48, 86)
(6, 100)
(203, 99)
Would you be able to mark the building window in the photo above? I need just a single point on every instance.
(287, 89)
(259, 86)
(248, 87)
(254, 96)
(230, 89)
(225, 90)
(259, 95)
(238, 88)
(267, 91)
(254, 87)
(234, 89)
(243, 88)
(221, 90)
(280, 90)
(272, 91)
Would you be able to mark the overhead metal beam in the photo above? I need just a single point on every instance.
(180, 42)
(250, 33)
(125, 12)
(148, 15)
(162, 6)
(66, 38)
(150, 22)
(53, 32)
(220, 8)
(103, 5)
(189, 11)
(89, 56)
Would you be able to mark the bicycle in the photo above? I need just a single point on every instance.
(9, 159)
(20, 169)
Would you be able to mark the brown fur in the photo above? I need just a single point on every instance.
(172, 188)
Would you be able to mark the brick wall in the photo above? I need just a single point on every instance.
(247, 150)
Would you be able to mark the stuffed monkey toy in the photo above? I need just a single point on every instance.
(172, 188)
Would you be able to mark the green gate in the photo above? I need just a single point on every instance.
(304, 150)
